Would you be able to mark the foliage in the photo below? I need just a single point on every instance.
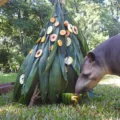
(48, 70)
(99, 19)
(6, 78)
(21, 22)
(4, 54)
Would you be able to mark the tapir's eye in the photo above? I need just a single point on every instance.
(86, 75)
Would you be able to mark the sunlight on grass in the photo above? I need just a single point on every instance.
(5, 78)
(111, 79)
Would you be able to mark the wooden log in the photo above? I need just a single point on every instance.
(35, 96)
(12, 83)
(5, 88)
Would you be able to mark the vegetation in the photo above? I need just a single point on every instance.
(5, 78)
(104, 107)
(21, 21)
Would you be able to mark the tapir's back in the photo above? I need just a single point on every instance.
(109, 51)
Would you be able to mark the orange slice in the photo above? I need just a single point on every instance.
(31, 51)
(59, 42)
(38, 53)
(62, 32)
(66, 23)
(52, 19)
(56, 23)
(43, 39)
(53, 37)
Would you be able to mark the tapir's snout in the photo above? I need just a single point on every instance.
(81, 86)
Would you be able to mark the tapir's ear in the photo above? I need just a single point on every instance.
(91, 56)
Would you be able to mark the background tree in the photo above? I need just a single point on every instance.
(21, 21)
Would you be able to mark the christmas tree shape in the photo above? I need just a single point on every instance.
(53, 65)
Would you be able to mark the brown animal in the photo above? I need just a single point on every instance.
(104, 59)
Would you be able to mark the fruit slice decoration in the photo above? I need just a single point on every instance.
(66, 23)
(53, 37)
(67, 33)
(56, 24)
(51, 47)
(38, 40)
(21, 80)
(75, 30)
(49, 30)
(43, 39)
(68, 60)
(62, 32)
(52, 19)
(38, 53)
(31, 51)
(59, 42)
(68, 41)
(70, 28)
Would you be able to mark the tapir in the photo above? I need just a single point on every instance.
(104, 59)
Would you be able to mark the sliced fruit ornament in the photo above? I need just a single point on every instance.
(52, 66)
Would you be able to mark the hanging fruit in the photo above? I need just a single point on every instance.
(70, 28)
(22, 79)
(68, 41)
(60, 43)
(68, 60)
(49, 30)
(38, 40)
(52, 20)
(38, 53)
(66, 23)
(75, 30)
(31, 51)
(62, 32)
(43, 39)
(56, 24)
(67, 33)
(53, 37)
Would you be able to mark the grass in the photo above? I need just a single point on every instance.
(5, 78)
(104, 107)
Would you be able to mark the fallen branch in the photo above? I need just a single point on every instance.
(5, 88)
(35, 96)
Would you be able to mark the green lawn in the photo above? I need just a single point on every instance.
(104, 107)
(5, 78)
